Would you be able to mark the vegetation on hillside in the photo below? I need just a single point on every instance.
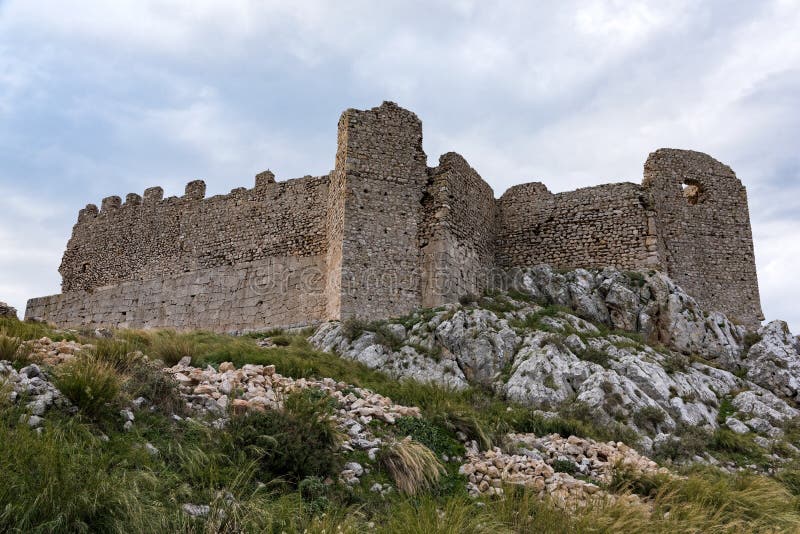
(276, 471)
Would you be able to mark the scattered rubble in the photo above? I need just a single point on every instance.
(488, 471)
(32, 386)
(49, 352)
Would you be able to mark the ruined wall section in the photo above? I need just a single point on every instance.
(385, 175)
(607, 225)
(282, 291)
(457, 234)
(334, 223)
(250, 259)
(153, 237)
(704, 234)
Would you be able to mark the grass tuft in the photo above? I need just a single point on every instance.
(412, 466)
(90, 384)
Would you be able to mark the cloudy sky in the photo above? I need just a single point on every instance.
(105, 98)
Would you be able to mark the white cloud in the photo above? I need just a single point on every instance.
(571, 94)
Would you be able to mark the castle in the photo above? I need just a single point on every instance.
(383, 234)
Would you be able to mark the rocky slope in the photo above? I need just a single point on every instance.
(633, 347)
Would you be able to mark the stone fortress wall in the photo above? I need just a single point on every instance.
(383, 234)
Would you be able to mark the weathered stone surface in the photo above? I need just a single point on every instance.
(774, 362)
(7, 310)
(383, 234)
(677, 372)
(648, 302)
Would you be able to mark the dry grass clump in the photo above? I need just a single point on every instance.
(412, 465)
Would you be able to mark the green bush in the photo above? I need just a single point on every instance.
(281, 340)
(89, 384)
(626, 480)
(594, 355)
(675, 363)
(688, 441)
(729, 442)
(352, 328)
(146, 379)
(649, 418)
(564, 466)
(726, 409)
(468, 300)
(750, 339)
(313, 492)
(296, 442)
(433, 436)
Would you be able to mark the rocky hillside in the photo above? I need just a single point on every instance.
(572, 402)
(630, 347)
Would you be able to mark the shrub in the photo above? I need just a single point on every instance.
(687, 442)
(627, 480)
(727, 441)
(564, 466)
(296, 442)
(412, 465)
(281, 340)
(312, 490)
(89, 384)
(352, 328)
(146, 379)
(726, 409)
(468, 300)
(470, 424)
(649, 417)
(636, 278)
(675, 363)
(431, 435)
(750, 339)
(594, 355)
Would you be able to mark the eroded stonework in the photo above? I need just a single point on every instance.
(383, 234)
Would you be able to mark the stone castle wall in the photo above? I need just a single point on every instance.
(458, 233)
(384, 234)
(385, 176)
(598, 226)
(704, 235)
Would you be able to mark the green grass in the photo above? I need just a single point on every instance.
(90, 384)
(27, 330)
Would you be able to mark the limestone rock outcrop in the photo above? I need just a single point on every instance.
(631, 346)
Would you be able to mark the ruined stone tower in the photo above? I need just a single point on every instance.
(383, 234)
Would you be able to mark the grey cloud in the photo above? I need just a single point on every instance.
(104, 98)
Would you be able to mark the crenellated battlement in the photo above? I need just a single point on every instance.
(383, 233)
